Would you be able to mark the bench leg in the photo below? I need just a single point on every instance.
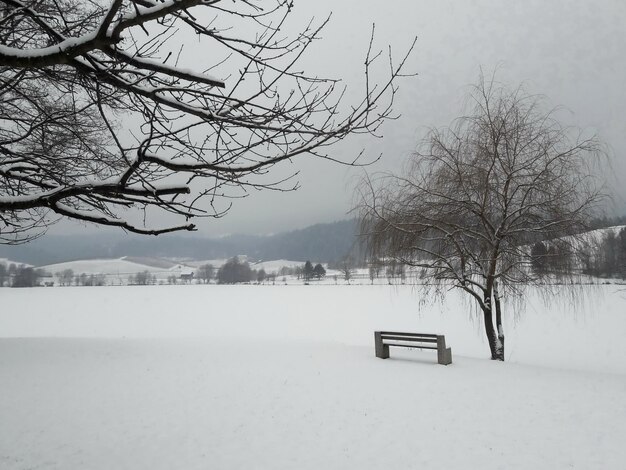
(382, 350)
(444, 356)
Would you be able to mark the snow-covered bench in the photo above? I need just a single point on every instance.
(384, 339)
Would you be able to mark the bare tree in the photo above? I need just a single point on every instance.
(26, 276)
(234, 271)
(65, 277)
(479, 194)
(142, 278)
(346, 266)
(100, 112)
(206, 272)
(3, 274)
(375, 266)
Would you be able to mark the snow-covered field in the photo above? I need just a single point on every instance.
(234, 377)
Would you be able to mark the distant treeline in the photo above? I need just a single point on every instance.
(19, 275)
(599, 257)
(609, 257)
(604, 222)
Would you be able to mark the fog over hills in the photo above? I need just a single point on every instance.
(322, 243)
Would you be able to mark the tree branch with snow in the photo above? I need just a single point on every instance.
(107, 115)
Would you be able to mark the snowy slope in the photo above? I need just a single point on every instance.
(274, 266)
(216, 263)
(101, 266)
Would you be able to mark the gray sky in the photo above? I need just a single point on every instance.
(572, 51)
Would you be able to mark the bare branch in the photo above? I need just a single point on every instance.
(97, 114)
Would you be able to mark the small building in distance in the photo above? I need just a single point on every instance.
(186, 274)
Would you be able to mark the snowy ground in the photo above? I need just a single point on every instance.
(237, 377)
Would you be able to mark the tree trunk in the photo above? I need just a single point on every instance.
(499, 329)
(491, 334)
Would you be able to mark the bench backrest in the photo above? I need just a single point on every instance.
(403, 336)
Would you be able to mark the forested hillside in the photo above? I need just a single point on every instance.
(323, 242)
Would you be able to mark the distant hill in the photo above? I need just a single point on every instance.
(321, 242)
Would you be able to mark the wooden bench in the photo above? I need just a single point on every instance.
(384, 339)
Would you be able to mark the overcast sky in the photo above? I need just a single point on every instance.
(572, 51)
